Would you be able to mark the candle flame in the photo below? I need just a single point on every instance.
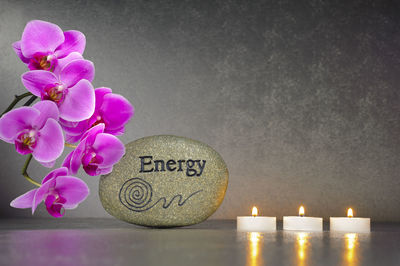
(350, 213)
(301, 211)
(254, 211)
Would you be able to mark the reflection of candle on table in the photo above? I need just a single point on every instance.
(302, 223)
(256, 223)
(350, 223)
(254, 258)
(351, 240)
(301, 247)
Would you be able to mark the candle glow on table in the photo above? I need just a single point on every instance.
(350, 223)
(351, 240)
(255, 247)
(256, 223)
(301, 241)
(302, 223)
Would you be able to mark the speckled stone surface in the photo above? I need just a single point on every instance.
(165, 181)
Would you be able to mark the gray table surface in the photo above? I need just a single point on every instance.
(213, 242)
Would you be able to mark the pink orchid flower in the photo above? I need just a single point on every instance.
(44, 43)
(71, 90)
(113, 110)
(59, 192)
(34, 130)
(97, 152)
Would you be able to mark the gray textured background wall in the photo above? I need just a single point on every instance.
(300, 98)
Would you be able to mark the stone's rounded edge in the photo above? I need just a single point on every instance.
(153, 224)
(177, 138)
(222, 194)
(103, 196)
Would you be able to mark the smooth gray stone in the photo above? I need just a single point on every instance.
(165, 181)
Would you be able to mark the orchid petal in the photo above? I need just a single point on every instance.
(48, 164)
(75, 41)
(61, 63)
(16, 120)
(100, 93)
(108, 147)
(68, 123)
(116, 111)
(24, 201)
(104, 171)
(77, 70)
(90, 135)
(74, 129)
(40, 37)
(35, 80)
(62, 171)
(67, 160)
(79, 102)
(91, 169)
(41, 192)
(72, 189)
(116, 132)
(47, 109)
(17, 49)
(72, 139)
(54, 205)
(50, 143)
(75, 158)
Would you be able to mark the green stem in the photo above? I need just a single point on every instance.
(25, 173)
(69, 145)
(16, 100)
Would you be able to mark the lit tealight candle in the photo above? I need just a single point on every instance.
(256, 223)
(350, 223)
(302, 223)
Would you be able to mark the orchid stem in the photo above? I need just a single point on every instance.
(69, 145)
(25, 173)
(30, 101)
(16, 100)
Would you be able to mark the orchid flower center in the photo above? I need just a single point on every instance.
(54, 203)
(42, 62)
(90, 161)
(26, 141)
(99, 120)
(92, 158)
(54, 92)
(57, 199)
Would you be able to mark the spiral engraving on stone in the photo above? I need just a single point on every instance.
(136, 195)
